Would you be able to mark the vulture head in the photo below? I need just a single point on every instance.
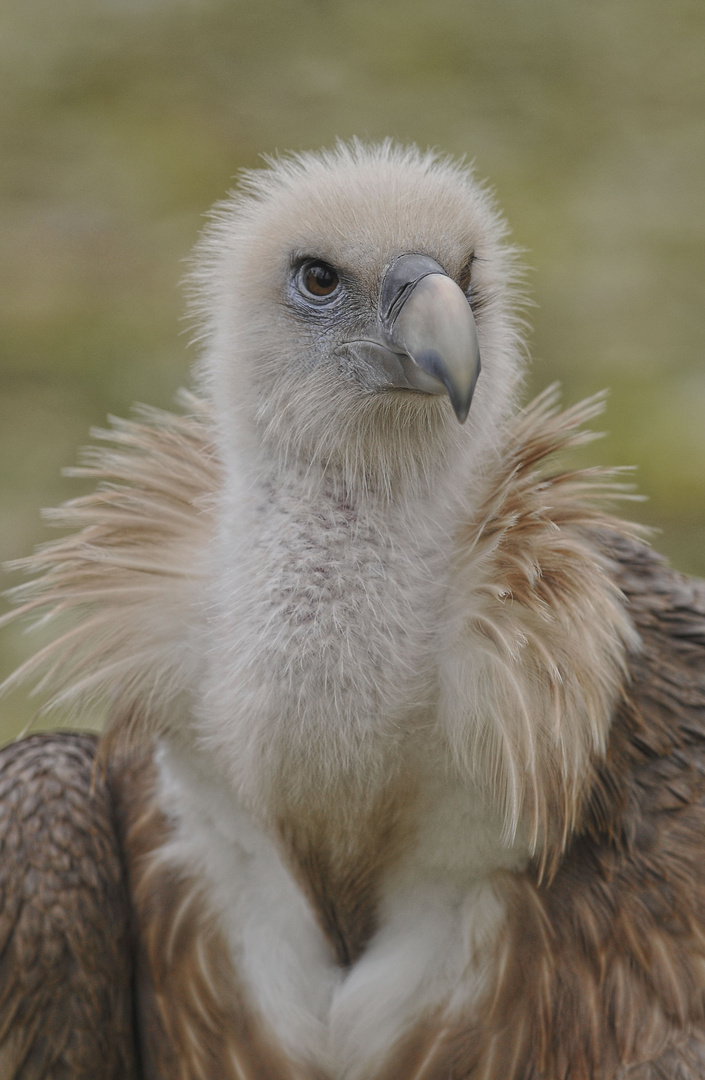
(355, 304)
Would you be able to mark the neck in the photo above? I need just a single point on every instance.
(319, 631)
(327, 644)
(373, 452)
(324, 609)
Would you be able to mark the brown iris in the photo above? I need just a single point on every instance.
(318, 279)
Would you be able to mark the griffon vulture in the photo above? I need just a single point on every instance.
(403, 777)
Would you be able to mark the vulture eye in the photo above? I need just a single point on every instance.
(317, 280)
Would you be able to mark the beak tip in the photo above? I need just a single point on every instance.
(460, 408)
(461, 402)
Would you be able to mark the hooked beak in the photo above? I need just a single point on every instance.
(427, 320)
(425, 338)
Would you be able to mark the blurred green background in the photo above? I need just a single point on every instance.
(121, 121)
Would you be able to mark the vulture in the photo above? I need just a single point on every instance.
(403, 772)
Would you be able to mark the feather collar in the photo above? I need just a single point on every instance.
(540, 613)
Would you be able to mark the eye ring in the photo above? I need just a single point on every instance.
(318, 281)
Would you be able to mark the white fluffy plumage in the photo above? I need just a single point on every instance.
(371, 639)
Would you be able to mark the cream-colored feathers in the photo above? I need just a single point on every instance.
(322, 572)
(381, 650)
(129, 583)
(123, 588)
(538, 631)
(277, 387)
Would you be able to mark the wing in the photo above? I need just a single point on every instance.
(65, 952)
(687, 1062)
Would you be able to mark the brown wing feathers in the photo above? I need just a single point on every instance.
(65, 947)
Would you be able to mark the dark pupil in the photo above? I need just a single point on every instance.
(320, 279)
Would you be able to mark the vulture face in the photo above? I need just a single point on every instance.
(422, 340)
(353, 299)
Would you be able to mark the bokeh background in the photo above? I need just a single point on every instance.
(121, 121)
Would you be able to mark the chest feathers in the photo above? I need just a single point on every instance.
(368, 729)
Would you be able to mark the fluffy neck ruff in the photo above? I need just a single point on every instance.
(536, 631)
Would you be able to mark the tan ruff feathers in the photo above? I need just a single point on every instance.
(152, 508)
(531, 559)
(128, 579)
